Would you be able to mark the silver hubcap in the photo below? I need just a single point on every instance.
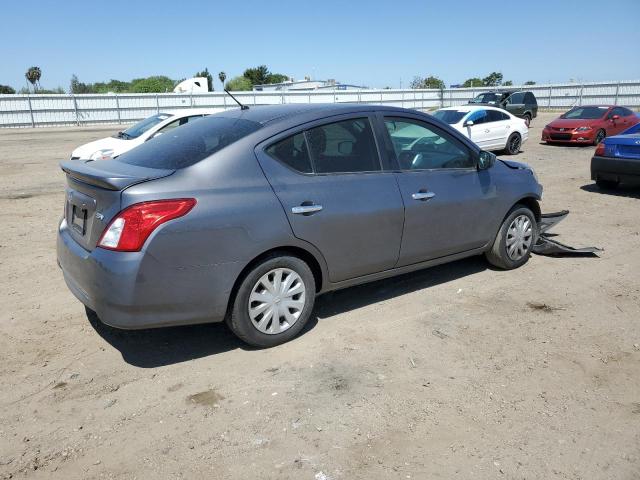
(519, 236)
(276, 301)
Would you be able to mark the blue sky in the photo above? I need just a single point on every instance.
(375, 43)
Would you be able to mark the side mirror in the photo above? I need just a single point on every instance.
(486, 160)
(615, 117)
(468, 123)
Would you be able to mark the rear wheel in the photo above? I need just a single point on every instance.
(600, 135)
(274, 301)
(515, 239)
(607, 184)
(514, 142)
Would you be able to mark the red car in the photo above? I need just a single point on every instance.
(589, 124)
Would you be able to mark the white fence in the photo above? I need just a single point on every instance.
(53, 110)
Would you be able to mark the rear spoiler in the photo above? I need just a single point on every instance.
(110, 174)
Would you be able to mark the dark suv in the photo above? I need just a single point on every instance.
(518, 103)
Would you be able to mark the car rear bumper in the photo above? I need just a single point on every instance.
(133, 290)
(568, 137)
(615, 169)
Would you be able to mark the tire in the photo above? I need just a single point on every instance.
(607, 184)
(259, 327)
(499, 255)
(600, 136)
(527, 119)
(514, 142)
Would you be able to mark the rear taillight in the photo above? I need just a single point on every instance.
(128, 231)
(600, 149)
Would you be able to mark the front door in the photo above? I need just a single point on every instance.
(330, 183)
(443, 192)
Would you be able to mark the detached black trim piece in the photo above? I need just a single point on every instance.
(547, 246)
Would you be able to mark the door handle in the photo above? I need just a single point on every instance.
(423, 195)
(306, 209)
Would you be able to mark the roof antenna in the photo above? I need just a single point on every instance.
(242, 107)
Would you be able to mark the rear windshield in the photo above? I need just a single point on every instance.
(187, 145)
(449, 116)
(586, 113)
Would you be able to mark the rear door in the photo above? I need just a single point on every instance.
(499, 128)
(330, 182)
(443, 192)
(515, 104)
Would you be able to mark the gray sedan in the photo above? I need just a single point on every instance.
(246, 216)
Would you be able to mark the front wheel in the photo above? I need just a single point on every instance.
(273, 302)
(600, 135)
(515, 239)
(527, 119)
(514, 142)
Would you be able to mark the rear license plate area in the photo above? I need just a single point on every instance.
(79, 219)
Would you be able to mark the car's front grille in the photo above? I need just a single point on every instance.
(563, 129)
(560, 136)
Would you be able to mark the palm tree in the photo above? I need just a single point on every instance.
(33, 77)
(222, 76)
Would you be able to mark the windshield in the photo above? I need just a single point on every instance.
(585, 113)
(485, 98)
(449, 116)
(139, 128)
(187, 145)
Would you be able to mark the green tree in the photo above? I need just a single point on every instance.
(257, 75)
(508, 83)
(494, 79)
(76, 86)
(205, 73)
(277, 78)
(222, 77)
(238, 84)
(6, 89)
(529, 82)
(428, 82)
(472, 82)
(33, 75)
(154, 84)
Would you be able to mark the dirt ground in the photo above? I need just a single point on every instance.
(459, 371)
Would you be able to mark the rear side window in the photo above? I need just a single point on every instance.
(185, 146)
(517, 97)
(530, 99)
(343, 147)
(496, 116)
(292, 151)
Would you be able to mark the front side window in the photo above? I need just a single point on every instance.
(342, 147)
(176, 123)
(419, 146)
(292, 151)
(478, 117)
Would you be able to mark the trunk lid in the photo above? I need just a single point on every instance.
(93, 194)
(626, 146)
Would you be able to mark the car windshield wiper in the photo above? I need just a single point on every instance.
(124, 135)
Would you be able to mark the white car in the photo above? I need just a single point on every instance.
(121, 142)
(488, 127)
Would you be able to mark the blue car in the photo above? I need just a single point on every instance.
(617, 159)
